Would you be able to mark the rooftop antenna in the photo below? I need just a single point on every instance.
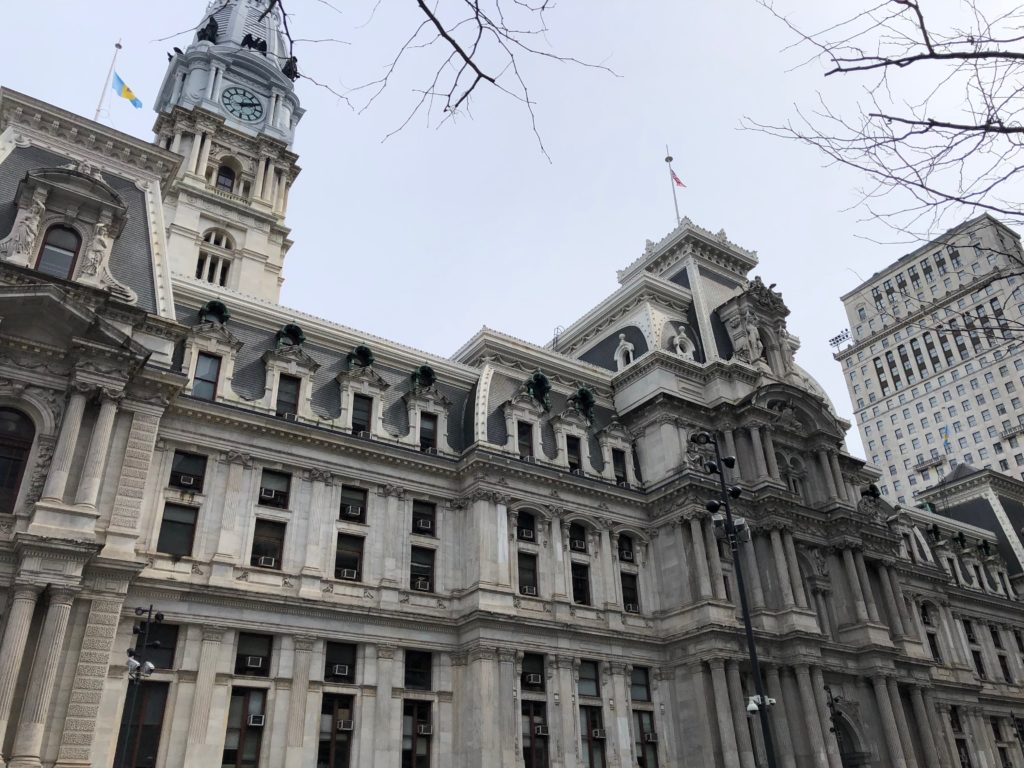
(106, 84)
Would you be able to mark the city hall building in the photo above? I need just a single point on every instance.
(358, 554)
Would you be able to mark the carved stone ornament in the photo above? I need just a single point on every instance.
(765, 296)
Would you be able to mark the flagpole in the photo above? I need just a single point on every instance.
(672, 183)
(106, 85)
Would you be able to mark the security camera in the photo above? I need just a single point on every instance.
(729, 461)
(752, 707)
(133, 664)
(735, 491)
(713, 506)
(147, 668)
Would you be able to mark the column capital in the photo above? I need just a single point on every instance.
(213, 634)
(716, 663)
(317, 475)
(25, 591)
(304, 643)
(63, 595)
(385, 651)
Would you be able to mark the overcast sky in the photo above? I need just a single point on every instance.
(439, 230)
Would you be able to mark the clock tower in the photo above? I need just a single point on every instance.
(228, 107)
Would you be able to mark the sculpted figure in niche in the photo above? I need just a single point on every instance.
(623, 352)
(20, 243)
(785, 346)
(99, 248)
(754, 346)
(684, 347)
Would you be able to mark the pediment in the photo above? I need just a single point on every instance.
(217, 333)
(287, 354)
(364, 374)
(82, 186)
(428, 396)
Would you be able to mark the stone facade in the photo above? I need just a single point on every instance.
(363, 554)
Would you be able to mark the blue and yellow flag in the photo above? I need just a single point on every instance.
(124, 91)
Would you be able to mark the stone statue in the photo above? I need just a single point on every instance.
(623, 352)
(785, 346)
(754, 346)
(99, 249)
(291, 68)
(209, 31)
(18, 245)
(684, 347)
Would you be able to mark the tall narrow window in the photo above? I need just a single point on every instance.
(226, 178)
(419, 670)
(524, 439)
(246, 716)
(362, 413)
(646, 739)
(573, 453)
(581, 583)
(417, 730)
(526, 528)
(59, 252)
(527, 574)
(177, 530)
(577, 538)
(288, 395)
(535, 734)
(160, 645)
(626, 552)
(619, 466)
(630, 593)
(142, 742)
(16, 435)
(533, 672)
(640, 684)
(204, 384)
(267, 544)
(337, 725)
(215, 257)
(592, 737)
(428, 431)
(421, 569)
(589, 679)
(348, 562)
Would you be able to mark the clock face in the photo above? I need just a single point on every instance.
(243, 104)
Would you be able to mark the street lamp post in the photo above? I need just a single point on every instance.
(137, 670)
(762, 702)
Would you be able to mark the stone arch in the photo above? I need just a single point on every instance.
(850, 739)
(44, 416)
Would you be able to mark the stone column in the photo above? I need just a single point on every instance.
(939, 726)
(896, 621)
(319, 513)
(682, 536)
(700, 556)
(726, 728)
(853, 579)
(199, 717)
(901, 604)
(193, 156)
(837, 474)
(714, 561)
(295, 749)
(268, 180)
(924, 727)
(902, 725)
(566, 712)
(508, 714)
(606, 565)
(779, 718)
(751, 573)
(176, 143)
(558, 557)
(865, 583)
(824, 717)
(821, 608)
(796, 581)
(759, 462)
(28, 739)
(812, 722)
(64, 451)
(385, 716)
(96, 457)
(773, 464)
(261, 171)
(888, 718)
(826, 470)
(204, 156)
(739, 715)
(12, 650)
(730, 443)
(781, 569)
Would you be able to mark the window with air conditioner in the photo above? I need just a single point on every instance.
(527, 574)
(353, 504)
(337, 726)
(417, 731)
(428, 432)
(627, 553)
(424, 518)
(533, 672)
(421, 570)
(188, 471)
(577, 538)
(252, 656)
(339, 662)
(645, 739)
(526, 527)
(535, 733)
(267, 544)
(630, 593)
(592, 737)
(244, 736)
(274, 488)
(419, 670)
(348, 560)
(362, 414)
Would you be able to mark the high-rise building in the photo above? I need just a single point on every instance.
(935, 369)
(234, 534)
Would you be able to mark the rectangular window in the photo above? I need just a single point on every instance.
(527, 574)
(274, 487)
(418, 670)
(362, 413)
(428, 431)
(979, 665)
(533, 672)
(619, 466)
(421, 569)
(188, 471)
(581, 583)
(348, 561)
(253, 655)
(1005, 669)
(630, 593)
(177, 530)
(535, 734)
(340, 662)
(640, 684)
(646, 739)
(288, 395)
(353, 504)
(524, 439)
(573, 453)
(204, 384)
(592, 737)
(267, 544)
(337, 725)
(424, 516)
(933, 645)
(589, 679)
(142, 742)
(160, 645)
(417, 730)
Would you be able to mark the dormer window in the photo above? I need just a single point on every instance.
(619, 466)
(428, 431)
(59, 252)
(362, 413)
(204, 385)
(226, 178)
(215, 256)
(288, 395)
(573, 453)
(524, 438)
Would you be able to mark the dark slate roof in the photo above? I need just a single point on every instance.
(603, 353)
(131, 260)
(960, 472)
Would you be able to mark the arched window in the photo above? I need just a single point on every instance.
(59, 251)
(226, 178)
(16, 434)
(215, 256)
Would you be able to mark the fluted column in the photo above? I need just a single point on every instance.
(261, 171)
(28, 739)
(796, 581)
(811, 720)
(268, 180)
(12, 649)
(385, 710)
(890, 602)
(781, 569)
(193, 155)
(888, 717)
(759, 462)
(96, 457)
(723, 712)
(901, 604)
(821, 608)
(700, 557)
(57, 478)
(826, 471)
(199, 717)
(730, 443)
(906, 741)
(739, 715)
(681, 533)
(865, 582)
(204, 155)
(924, 728)
(752, 573)
(780, 718)
(837, 475)
(824, 717)
(852, 578)
(714, 561)
(319, 501)
(769, 449)
(938, 722)
(299, 693)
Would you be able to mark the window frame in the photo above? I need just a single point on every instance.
(74, 254)
(162, 545)
(214, 383)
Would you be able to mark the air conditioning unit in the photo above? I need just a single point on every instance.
(626, 555)
(186, 481)
(528, 459)
(268, 493)
(339, 670)
(534, 679)
(527, 534)
(429, 451)
(256, 721)
(632, 608)
(625, 485)
(352, 511)
(254, 662)
(424, 524)
(346, 725)
(423, 585)
(349, 574)
(597, 733)
(364, 434)
(528, 590)
(265, 561)
(577, 471)
(540, 730)
(425, 729)
(291, 417)
(651, 738)
(579, 545)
